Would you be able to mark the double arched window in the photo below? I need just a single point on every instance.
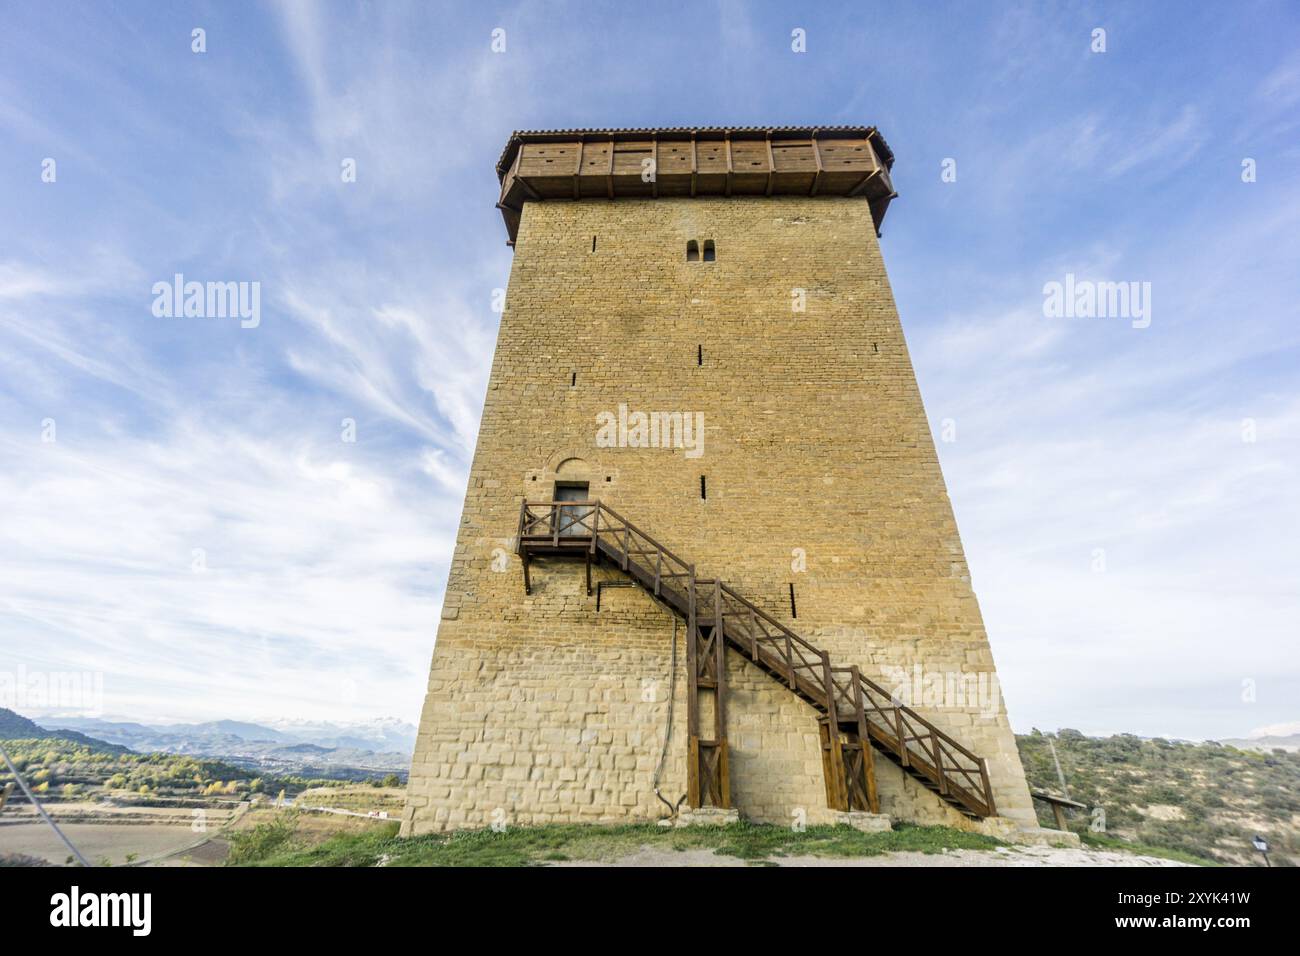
(693, 251)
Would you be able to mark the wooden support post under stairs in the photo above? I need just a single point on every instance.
(859, 774)
(833, 766)
(864, 743)
(848, 769)
(708, 775)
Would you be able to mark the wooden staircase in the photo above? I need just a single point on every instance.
(857, 716)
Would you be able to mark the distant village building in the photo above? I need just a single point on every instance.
(705, 503)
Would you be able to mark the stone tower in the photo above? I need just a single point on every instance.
(700, 358)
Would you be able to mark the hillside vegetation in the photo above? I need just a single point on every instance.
(1207, 800)
(60, 769)
(17, 727)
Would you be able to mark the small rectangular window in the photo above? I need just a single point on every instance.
(710, 254)
(704, 489)
(692, 251)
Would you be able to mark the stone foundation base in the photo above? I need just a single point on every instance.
(866, 822)
(1043, 836)
(1012, 832)
(703, 817)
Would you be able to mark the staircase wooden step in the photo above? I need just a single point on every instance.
(760, 638)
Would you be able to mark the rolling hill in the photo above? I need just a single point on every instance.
(17, 727)
(1206, 799)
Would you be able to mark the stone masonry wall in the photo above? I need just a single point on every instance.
(816, 448)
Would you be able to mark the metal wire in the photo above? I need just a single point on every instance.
(40, 809)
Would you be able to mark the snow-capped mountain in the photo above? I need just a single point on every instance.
(382, 733)
(287, 745)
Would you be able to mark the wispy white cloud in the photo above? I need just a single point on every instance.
(1124, 494)
(1170, 144)
(320, 561)
(244, 565)
(325, 559)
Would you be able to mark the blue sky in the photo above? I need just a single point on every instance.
(198, 533)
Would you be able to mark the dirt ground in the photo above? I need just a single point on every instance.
(172, 846)
(96, 840)
(1003, 856)
(106, 832)
(167, 840)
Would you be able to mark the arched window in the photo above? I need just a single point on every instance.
(709, 254)
(692, 251)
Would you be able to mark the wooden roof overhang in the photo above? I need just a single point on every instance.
(545, 165)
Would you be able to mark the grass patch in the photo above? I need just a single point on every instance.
(530, 846)
(262, 841)
(1098, 842)
(756, 842)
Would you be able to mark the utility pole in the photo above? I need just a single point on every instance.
(1059, 774)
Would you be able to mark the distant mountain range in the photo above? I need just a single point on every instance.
(17, 727)
(291, 747)
(1289, 743)
(382, 736)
